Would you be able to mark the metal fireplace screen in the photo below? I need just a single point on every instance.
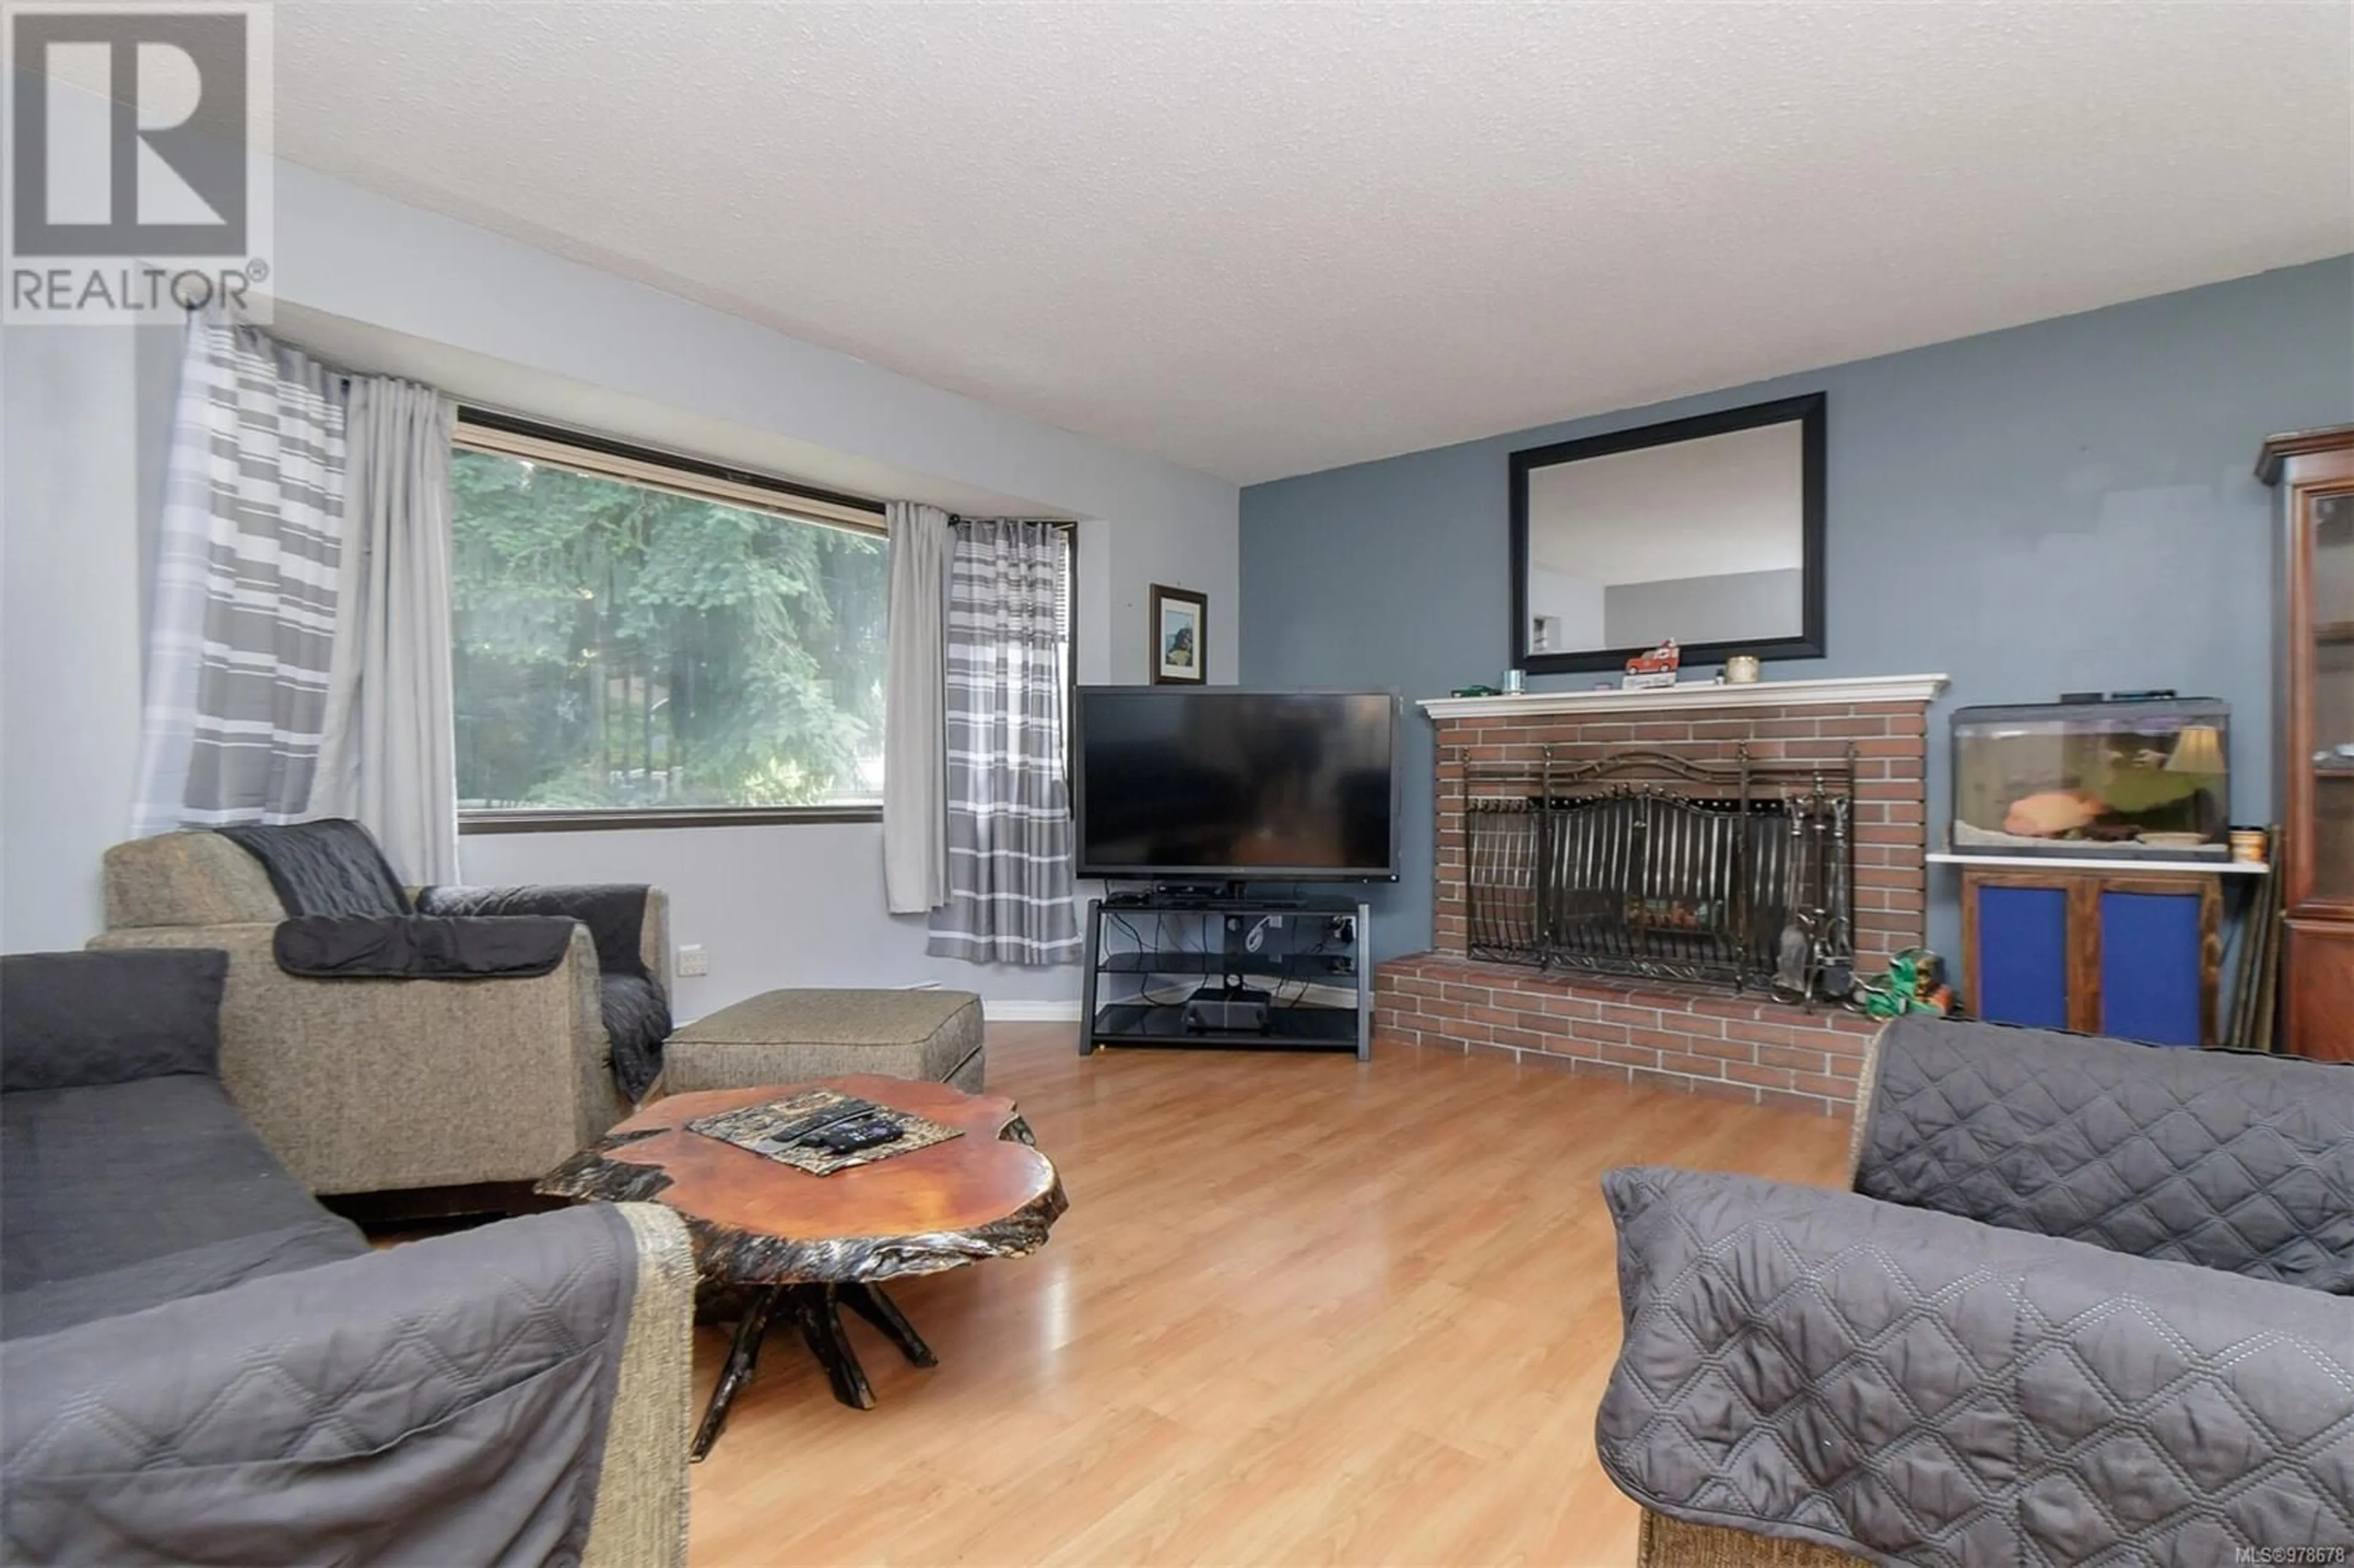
(1737, 874)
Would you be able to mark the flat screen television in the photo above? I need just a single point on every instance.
(1213, 784)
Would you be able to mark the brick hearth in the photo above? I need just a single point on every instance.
(1657, 1032)
(1663, 1035)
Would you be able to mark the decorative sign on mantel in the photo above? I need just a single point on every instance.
(1654, 670)
(1828, 692)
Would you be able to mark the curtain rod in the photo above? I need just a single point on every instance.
(513, 425)
(517, 425)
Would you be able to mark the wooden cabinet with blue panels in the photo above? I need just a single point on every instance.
(2130, 952)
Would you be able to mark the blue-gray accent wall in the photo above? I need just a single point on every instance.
(2067, 505)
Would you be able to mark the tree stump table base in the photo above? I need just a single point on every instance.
(782, 1241)
(817, 1311)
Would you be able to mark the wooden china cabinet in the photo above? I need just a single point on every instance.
(2314, 470)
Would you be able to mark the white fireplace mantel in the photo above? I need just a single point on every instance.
(1835, 691)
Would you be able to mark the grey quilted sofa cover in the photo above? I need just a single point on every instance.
(199, 1365)
(2089, 1302)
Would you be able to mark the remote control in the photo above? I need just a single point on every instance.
(802, 1129)
(850, 1137)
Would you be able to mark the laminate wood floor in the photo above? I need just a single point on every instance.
(1302, 1310)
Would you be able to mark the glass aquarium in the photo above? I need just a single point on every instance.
(2112, 781)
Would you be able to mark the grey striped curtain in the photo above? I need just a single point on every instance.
(247, 571)
(1009, 805)
(388, 757)
(914, 711)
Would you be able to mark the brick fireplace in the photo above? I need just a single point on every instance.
(1792, 745)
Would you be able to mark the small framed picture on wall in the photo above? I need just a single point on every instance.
(1178, 622)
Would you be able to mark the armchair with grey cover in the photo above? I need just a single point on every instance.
(2087, 1301)
(378, 1086)
(202, 1365)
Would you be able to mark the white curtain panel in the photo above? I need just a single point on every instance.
(915, 743)
(243, 614)
(388, 757)
(1010, 834)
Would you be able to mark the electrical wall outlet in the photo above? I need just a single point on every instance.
(693, 962)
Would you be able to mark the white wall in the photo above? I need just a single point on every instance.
(70, 621)
(1732, 607)
(1572, 600)
(1732, 502)
(358, 256)
(774, 906)
(771, 907)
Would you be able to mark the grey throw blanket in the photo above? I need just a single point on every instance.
(614, 912)
(1920, 1388)
(349, 919)
(636, 1012)
(419, 947)
(47, 1306)
(2214, 1158)
(444, 1401)
(328, 867)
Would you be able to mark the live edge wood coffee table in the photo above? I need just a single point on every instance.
(809, 1245)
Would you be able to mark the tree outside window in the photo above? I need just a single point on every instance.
(623, 647)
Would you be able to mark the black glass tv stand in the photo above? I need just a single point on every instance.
(1192, 969)
(1202, 895)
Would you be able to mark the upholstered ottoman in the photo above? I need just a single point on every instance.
(787, 1036)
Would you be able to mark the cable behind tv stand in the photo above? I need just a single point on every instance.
(1218, 967)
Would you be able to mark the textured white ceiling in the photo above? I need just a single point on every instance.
(1261, 239)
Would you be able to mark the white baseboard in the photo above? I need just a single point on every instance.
(1031, 1011)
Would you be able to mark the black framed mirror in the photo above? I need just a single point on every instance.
(1708, 530)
